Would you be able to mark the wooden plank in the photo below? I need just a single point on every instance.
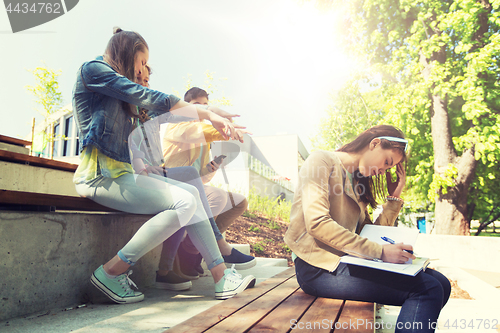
(14, 141)
(321, 316)
(61, 202)
(246, 317)
(10, 156)
(219, 312)
(282, 318)
(356, 317)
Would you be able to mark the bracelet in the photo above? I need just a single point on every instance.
(393, 198)
(143, 169)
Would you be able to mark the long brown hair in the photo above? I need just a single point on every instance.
(374, 187)
(120, 54)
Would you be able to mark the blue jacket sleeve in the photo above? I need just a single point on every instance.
(99, 77)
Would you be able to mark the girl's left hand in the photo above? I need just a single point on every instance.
(222, 113)
(395, 188)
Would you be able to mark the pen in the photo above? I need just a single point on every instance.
(388, 240)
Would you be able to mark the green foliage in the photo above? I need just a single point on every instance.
(442, 182)
(211, 85)
(46, 90)
(271, 208)
(286, 248)
(273, 225)
(351, 113)
(254, 228)
(48, 97)
(460, 41)
(246, 213)
(258, 247)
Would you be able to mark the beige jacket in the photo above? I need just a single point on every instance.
(327, 216)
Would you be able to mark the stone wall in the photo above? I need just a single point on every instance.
(46, 259)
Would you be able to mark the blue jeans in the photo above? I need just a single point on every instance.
(175, 205)
(421, 297)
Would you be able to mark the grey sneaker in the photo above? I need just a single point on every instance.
(172, 281)
(117, 289)
(232, 283)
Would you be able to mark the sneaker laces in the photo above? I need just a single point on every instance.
(126, 281)
(234, 274)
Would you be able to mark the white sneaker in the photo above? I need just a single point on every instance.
(232, 283)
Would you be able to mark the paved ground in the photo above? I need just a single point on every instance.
(492, 278)
(160, 310)
(459, 315)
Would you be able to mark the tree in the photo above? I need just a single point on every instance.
(47, 95)
(439, 67)
(46, 90)
(351, 113)
(210, 85)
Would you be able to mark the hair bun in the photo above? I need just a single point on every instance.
(117, 30)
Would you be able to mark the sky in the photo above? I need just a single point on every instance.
(277, 61)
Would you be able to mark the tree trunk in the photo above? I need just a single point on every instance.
(451, 208)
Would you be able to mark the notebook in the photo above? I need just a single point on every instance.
(404, 235)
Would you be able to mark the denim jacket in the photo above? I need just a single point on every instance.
(100, 112)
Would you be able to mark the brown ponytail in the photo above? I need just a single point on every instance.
(120, 54)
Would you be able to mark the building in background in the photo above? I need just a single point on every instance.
(267, 164)
(61, 127)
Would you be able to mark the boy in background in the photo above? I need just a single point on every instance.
(188, 144)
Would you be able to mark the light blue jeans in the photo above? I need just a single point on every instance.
(190, 176)
(175, 205)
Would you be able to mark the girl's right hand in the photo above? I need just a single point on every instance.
(394, 253)
(226, 128)
(395, 188)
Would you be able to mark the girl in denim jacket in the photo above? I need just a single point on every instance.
(104, 104)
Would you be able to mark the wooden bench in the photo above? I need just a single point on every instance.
(279, 305)
(13, 157)
(32, 201)
(14, 141)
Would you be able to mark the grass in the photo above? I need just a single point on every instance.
(273, 209)
(260, 246)
(485, 234)
(246, 213)
(254, 228)
(273, 225)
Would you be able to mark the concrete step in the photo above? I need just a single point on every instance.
(160, 309)
(14, 148)
(28, 178)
